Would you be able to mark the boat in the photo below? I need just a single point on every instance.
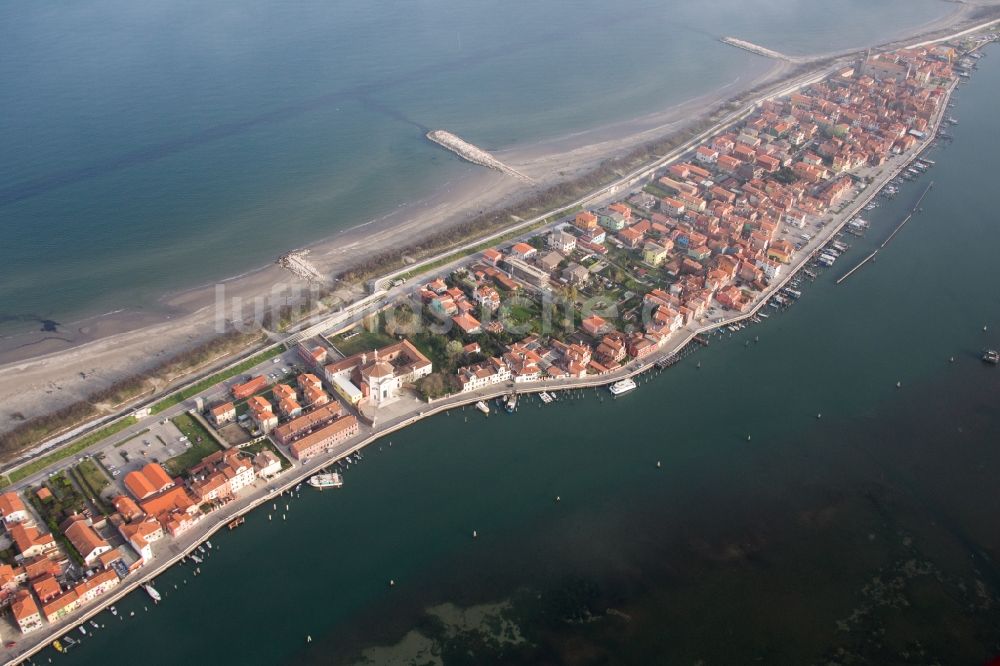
(483, 407)
(331, 480)
(991, 356)
(623, 386)
(196, 559)
(151, 591)
(511, 403)
(58, 646)
(95, 625)
(546, 398)
(83, 629)
(209, 544)
(68, 642)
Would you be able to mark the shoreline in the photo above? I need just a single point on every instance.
(59, 371)
(634, 368)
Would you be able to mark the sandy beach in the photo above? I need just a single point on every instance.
(42, 371)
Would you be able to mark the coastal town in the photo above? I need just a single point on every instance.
(596, 297)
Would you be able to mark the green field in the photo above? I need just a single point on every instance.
(202, 444)
(93, 476)
(363, 340)
(211, 381)
(65, 452)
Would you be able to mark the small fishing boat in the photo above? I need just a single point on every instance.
(83, 629)
(151, 591)
(483, 407)
(321, 481)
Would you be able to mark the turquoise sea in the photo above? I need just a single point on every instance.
(866, 536)
(153, 146)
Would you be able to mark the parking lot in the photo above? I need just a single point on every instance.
(162, 442)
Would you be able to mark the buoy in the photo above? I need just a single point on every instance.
(819, 416)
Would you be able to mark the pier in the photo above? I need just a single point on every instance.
(757, 49)
(895, 231)
(474, 154)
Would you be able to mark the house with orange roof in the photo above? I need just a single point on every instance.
(492, 257)
(84, 539)
(30, 542)
(40, 565)
(262, 413)
(283, 392)
(12, 509)
(308, 379)
(585, 221)
(595, 326)
(523, 251)
(222, 414)
(11, 577)
(491, 371)
(127, 507)
(324, 439)
(148, 481)
(46, 588)
(109, 558)
(61, 606)
(315, 396)
(290, 408)
(96, 586)
(295, 428)
(221, 474)
(246, 389)
(25, 612)
(706, 154)
(468, 324)
(140, 535)
(175, 499)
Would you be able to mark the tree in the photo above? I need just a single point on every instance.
(453, 350)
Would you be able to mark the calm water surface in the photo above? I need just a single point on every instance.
(866, 536)
(154, 146)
